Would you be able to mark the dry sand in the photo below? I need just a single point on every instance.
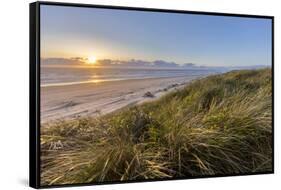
(92, 99)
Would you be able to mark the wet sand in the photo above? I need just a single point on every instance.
(92, 99)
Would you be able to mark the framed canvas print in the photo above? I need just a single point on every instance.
(122, 94)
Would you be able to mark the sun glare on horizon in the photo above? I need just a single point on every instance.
(92, 59)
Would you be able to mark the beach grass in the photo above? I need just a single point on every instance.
(218, 125)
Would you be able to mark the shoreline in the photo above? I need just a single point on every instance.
(100, 98)
(102, 81)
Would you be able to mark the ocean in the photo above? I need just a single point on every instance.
(61, 76)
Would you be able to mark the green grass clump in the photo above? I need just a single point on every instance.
(221, 124)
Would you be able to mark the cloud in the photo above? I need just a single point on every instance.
(162, 63)
(117, 63)
(64, 61)
(189, 65)
(104, 62)
(136, 63)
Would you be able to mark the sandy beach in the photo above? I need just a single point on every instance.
(92, 99)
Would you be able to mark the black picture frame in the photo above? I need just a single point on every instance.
(34, 88)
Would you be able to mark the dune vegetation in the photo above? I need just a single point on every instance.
(218, 125)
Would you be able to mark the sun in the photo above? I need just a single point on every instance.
(92, 59)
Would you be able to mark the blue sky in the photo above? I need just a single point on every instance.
(182, 38)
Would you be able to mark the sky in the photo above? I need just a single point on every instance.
(206, 40)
